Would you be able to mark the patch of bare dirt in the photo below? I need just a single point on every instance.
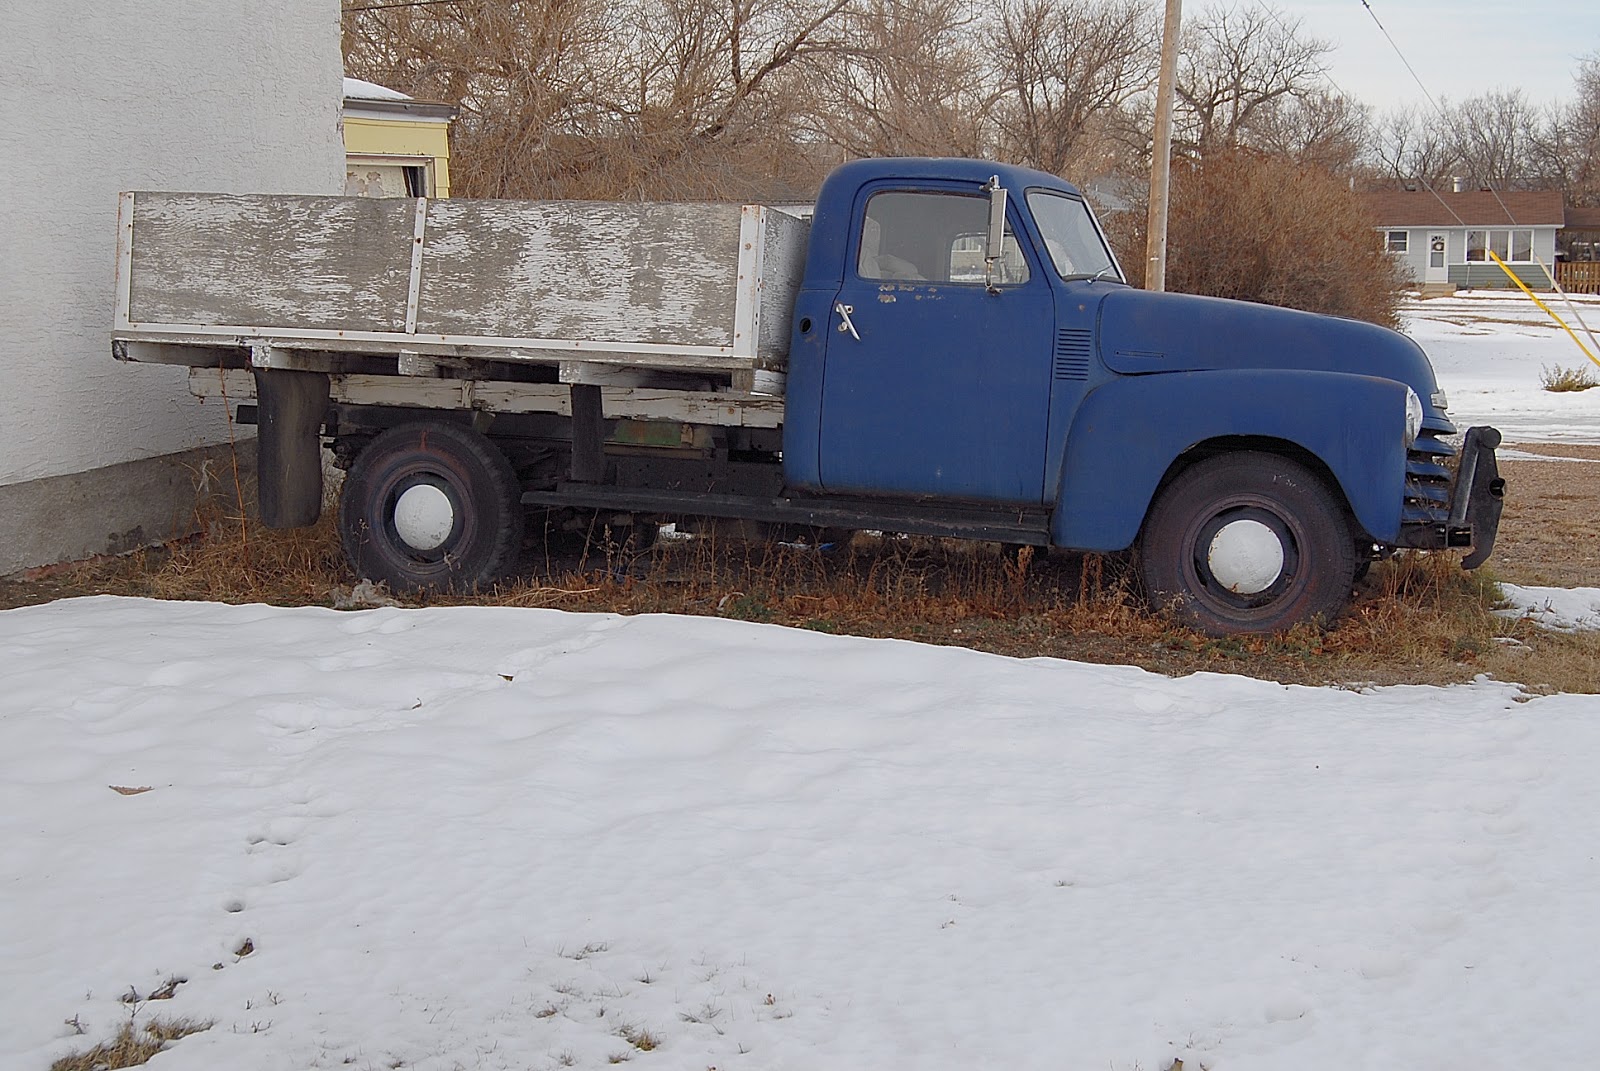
(1550, 531)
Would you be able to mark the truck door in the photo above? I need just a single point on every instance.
(933, 385)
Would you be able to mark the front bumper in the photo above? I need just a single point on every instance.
(1441, 512)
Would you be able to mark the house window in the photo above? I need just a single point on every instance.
(1399, 241)
(1511, 246)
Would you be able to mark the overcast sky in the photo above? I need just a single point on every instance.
(1459, 49)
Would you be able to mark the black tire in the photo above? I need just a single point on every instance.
(1183, 546)
(475, 519)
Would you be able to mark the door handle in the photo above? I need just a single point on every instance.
(844, 312)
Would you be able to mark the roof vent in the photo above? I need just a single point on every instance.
(1457, 184)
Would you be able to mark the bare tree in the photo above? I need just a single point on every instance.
(1236, 62)
(1569, 151)
(911, 82)
(1326, 130)
(1409, 147)
(596, 98)
(1494, 137)
(1497, 139)
(1068, 67)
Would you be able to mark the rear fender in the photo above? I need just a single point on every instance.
(1130, 433)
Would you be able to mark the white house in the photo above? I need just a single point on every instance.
(99, 96)
(1443, 238)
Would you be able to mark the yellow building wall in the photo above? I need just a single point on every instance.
(397, 137)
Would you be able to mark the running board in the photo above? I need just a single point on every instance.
(1003, 524)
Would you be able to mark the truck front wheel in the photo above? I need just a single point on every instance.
(1247, 542)
(431, 505)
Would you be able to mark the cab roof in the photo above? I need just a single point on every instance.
(831, 225)
(858, 173)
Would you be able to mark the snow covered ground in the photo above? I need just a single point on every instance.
(1488, 349)
(509, 839)
(499, 838)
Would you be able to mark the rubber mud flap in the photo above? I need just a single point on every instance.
(288, 448)
(1486, 496)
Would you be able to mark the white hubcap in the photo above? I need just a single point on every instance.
(423, 517)
(1245, 557)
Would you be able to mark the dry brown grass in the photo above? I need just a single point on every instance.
(132, 1047)
(1547, 531)
(1415, 619)
(230, 563)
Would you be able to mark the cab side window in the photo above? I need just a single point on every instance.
(933, 237)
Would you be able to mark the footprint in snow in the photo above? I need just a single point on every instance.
(1378, 965)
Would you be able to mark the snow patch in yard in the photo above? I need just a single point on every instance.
(1488, 349)
(1561, 609)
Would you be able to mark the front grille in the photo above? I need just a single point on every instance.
(1428, 477)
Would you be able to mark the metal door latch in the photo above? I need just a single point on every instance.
(844, 312)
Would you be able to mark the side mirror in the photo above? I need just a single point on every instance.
(994, 244)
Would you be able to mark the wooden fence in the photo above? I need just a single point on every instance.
(1579, 277)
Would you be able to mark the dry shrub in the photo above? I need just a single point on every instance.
(1265, 228)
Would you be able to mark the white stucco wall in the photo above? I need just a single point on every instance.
(99, 96)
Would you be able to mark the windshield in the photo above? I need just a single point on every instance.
(1071, 237)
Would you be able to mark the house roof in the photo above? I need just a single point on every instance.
(1474, 208)
(1583, 219)
(372, 101)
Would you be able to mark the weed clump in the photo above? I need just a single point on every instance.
(1563, 380)
(132, 1046)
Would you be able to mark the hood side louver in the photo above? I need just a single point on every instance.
(1073, 351)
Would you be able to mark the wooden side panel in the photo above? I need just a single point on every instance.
(599, 271)
(783, 265)
(332, 263)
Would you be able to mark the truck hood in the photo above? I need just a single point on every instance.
(1144, 332)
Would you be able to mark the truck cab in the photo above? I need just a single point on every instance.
(929, 375)
(1039, 379)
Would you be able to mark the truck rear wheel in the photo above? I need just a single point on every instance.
(1247, 542)
(431, 505)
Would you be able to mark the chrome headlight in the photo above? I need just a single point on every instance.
(1413, 417)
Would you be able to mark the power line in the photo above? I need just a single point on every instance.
(399, 3)
(1511, 216)
(1414, 77)
(1327, 76)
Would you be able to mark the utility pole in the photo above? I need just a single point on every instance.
(1155, 268)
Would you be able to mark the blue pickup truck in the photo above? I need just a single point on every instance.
(938, 347)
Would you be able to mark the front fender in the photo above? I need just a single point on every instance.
(1128, 433)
